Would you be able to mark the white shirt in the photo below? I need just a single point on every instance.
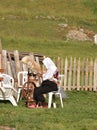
(51, 69)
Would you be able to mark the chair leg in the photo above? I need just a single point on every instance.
(54, 104)
(12, 100)
(50, 99)
(18, 95)
(61, 100)
(54, 100)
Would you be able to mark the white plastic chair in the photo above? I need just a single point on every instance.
(50, 99)
(58, 93)
(22, 78)
(7, 90)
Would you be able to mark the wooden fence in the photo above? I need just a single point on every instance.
(75, 73)
(78, 74)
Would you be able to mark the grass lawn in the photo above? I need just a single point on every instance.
(52, 48)
(79, 113)
(33, 26)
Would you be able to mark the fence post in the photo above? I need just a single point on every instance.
(65, 73)
(91, 75)
(4, 61)
(17, 61)
(86, 75)
(74, 73)
(70, 75)
(78, 75)
(0, 52)
(95, 75)
(0, 56)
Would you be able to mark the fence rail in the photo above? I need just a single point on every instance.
(75, 73)
(78, 74)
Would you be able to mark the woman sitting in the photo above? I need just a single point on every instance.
(49, 83)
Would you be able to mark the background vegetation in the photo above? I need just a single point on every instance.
(33, 26)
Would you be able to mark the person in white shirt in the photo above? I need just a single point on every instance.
(49, 83)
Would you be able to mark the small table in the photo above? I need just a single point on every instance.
(1, 71)
(1, 78)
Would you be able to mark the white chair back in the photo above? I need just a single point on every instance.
(7, 85)
(7, 81)
(22, 78)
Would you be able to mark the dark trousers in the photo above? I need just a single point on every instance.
(46, 86)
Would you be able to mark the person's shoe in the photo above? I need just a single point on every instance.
(45, 104)
(39, 106)
(32, 106)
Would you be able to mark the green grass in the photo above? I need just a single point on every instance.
(52, 48)
(79, 113)
(21, 30)
(33, 26)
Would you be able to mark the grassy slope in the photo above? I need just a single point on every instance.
(19, 29)
(19, 26)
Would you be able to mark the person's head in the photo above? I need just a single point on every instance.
(32, 64)
(49, 64)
